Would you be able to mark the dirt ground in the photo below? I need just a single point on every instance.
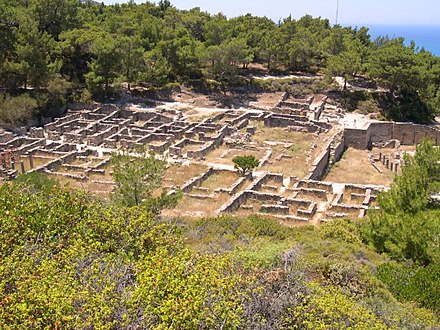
(233, 99)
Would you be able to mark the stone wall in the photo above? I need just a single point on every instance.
(339, 150)
(321, 163)
(196, 181)
(406, 133)
(380, 132)
(356, 138)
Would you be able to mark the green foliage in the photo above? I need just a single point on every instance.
(58, 90)
(413, 283)
(409, 106)
(368, 106)
(136, 176)
(393, 65)
(38, 181)
(411, 236)
(187, 291)
(105, 63)
(68, 261)
(245, 164)
(55, 16)
(329, 308)
(341, 229)
(350, 61)
(17, 110)
(254, 234)
(352, 100)
(405, 226)
(157, 69)
(297, 87)
(404, 73)
(34, 48)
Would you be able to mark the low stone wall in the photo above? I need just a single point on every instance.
(196, 181)
(320, 108)
(312, 184)
(5, 137)
(234, 188)
(309, 212)
(26, 147)
(271, 208)
(160, 148)
(259, 182)
(235, 202)
(203, 151)
(77, 177)
(279, 120)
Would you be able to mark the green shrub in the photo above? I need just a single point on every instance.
(412, 283)
(17, 110)
(265, 226)
(38, 181)
(368, 106)
(341, 229)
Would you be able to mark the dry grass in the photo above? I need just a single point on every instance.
(100, 189)
(311, 196)
(222, 179)
(192, 147)
(196, 115)
(177, 175)
(190, 207)
(279, 134)
(215, 155)
(300, 144)
(355, 167)
(294, 166)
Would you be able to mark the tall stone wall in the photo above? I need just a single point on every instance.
(406, 133)
(339, 150)
(320, 165)
(356, 138)
(380, 132)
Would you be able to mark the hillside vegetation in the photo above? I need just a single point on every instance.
(55, 51)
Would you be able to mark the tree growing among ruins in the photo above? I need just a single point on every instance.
(136, 176)
(245, 164)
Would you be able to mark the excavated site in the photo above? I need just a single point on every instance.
(317, 163)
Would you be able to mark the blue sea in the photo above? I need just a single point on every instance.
(427, 37)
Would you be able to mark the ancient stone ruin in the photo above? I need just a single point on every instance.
(294, 142)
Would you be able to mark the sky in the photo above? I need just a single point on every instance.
(353, 12)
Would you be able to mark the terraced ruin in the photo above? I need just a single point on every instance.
(299, 143)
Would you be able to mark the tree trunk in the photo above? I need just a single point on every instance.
(106, 87)
(223, 87)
